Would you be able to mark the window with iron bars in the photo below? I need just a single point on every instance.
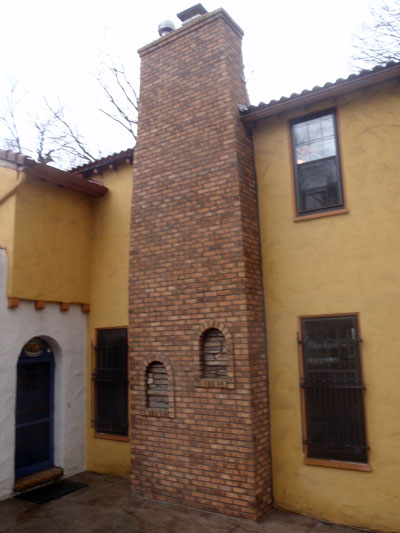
(110, 379)
(333, 389)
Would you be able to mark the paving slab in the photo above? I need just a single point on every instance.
(107, 506)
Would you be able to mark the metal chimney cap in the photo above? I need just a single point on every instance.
(165, 27)
(191, 13)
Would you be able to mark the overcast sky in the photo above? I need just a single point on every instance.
(54, 47)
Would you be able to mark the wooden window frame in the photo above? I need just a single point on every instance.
(328, 211)
(97, 434)
(332, 463)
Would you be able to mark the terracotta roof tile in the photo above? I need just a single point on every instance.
(352, 82)
(105, 162)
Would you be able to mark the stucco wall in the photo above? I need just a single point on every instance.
(10, 180)
(338, 264)
(51, 257)
(66, 333)
(109, 298)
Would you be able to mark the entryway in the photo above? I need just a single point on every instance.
(34, 408)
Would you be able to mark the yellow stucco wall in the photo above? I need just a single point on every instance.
(52, 233)
(10, 180)
(109, 299)
(65, 246)
(338, 264)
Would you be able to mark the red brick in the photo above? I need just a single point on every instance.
(195, 260)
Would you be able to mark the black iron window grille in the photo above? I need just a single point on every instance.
(333, 389)
(318, 182)
(110, 378)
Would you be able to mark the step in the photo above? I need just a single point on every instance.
(39, 478)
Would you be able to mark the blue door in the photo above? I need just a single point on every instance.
(34, 408)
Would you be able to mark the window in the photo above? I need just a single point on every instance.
(332, 389)
(318, 183)
(111, 382)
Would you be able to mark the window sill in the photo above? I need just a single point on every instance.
(298, 218)
(121, 438)
(363, 467)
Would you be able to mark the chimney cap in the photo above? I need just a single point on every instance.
(165, 27)
(191, 13)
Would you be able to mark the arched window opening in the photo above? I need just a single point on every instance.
(157, 386)
(213, 354)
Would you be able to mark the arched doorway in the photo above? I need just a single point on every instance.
(34, 408)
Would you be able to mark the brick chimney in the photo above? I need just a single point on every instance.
(198, 367)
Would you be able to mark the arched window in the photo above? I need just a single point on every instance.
(214, 359)
(157, 386)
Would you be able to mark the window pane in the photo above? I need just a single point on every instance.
(111, 348)
(112, 407)
(318, 186)
(111, 382)
(315, 139)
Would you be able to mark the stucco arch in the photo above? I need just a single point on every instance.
(66, 334)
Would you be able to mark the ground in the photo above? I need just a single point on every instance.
(106, 506)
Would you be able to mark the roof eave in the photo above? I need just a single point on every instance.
(65, 179)
(322, 94)
(105, 163)
(51, 174)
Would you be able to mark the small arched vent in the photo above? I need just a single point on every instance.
(213, 354)
(157, 386)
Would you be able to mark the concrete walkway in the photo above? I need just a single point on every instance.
(106, 506)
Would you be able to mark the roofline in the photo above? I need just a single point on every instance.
(323, 93)
(52, 174)
(104, 163)
(66, 179)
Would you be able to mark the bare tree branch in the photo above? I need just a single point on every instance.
(9, 121)
(379, 41)
(120, 95)
(50, 136)
(69, 139)
(44, 154)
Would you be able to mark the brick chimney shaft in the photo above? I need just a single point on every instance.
(195, 267)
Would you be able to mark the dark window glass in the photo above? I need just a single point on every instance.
(317, 167)
(111, 382)
(333, 389)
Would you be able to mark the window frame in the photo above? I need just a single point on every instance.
(327, 211)
(334, 463)
(99, 434)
